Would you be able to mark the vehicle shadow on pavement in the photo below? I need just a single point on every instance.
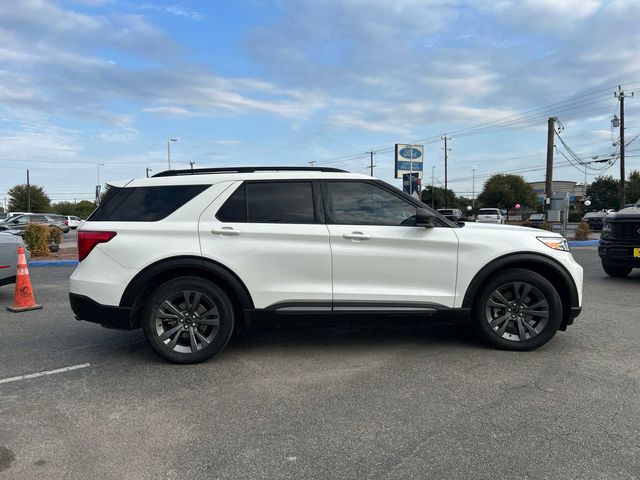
(345, 337)
(343, 340)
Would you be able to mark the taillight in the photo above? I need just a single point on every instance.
(66, 222)
(88, 240)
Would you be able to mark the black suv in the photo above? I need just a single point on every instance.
(619, 247)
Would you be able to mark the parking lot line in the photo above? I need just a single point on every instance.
(44, 373)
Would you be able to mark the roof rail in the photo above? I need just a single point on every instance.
(203, 171)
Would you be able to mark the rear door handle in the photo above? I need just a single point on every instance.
(356, 236)
(230, 231)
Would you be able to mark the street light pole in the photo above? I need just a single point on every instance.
(148, 170)
(473, 189)
(98, 165)
(169, 140)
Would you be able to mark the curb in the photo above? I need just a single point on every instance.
(583, 243)
(53, 263)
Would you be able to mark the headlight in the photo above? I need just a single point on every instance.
(555, 243)
(606, 229)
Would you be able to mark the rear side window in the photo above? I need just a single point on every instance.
(270, 202)
(144, 204)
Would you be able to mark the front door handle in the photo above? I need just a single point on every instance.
(225, 231)
(356, 236)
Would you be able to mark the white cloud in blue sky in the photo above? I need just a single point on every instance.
(286, 82)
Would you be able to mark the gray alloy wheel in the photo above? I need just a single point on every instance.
(188, 319)
(517, 311)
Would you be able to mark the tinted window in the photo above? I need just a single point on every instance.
(360, 203)
(143, 204)
(235, 208)
(280, 202)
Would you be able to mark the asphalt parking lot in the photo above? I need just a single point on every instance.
(427, 402)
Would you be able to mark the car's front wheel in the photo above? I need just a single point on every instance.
(518, 309)
(188, 320)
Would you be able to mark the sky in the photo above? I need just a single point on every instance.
(98, 86)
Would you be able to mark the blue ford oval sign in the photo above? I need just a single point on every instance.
(409, 153)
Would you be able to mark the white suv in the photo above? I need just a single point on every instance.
(192, 256)
(490, 215)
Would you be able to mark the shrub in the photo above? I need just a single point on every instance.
(56, 235)
(546, 226)
(37, 238)
(526, 223)
(582, 231)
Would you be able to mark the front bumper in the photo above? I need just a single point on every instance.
(87, 309)
(618, 254)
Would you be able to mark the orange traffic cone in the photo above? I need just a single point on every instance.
(23, 298)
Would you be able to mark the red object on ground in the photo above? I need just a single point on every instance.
(23, 297)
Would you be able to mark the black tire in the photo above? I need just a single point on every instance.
(194, 316)
(522, 326)
(615, 271)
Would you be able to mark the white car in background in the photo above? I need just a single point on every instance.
(490, 215)
(72, 221)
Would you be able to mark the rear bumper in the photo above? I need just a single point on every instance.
(87, 309)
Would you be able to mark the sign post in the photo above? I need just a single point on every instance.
(409, 160)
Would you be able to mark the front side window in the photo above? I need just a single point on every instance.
(269, 202)
(364, 203)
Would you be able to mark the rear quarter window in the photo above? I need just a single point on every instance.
(144, 204)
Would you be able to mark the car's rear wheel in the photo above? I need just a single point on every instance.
(188, 320)
(518, 309)
(615, 271)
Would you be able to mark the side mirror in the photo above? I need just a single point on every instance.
(424, 218)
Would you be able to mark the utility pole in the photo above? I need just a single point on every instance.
(371, 165)
(620, 96)
(192, 164)
(473, 189)
(446, 175)
(549, 177)
(28, 193)
(433, 184)
(312, 162)
(148, 170)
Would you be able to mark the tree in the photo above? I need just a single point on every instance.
(603, 193)
(84, 208)
(19, 199)
(633, 186)
(81, 209)
(439, 195)
(504, 191)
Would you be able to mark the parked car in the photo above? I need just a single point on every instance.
(453, 214)
(536, 220)
(595, 220)
(19, 223)
(191, 256)
(72, 221)
(60, 221)
(490, 215)
(9, 257)
(619, 246)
